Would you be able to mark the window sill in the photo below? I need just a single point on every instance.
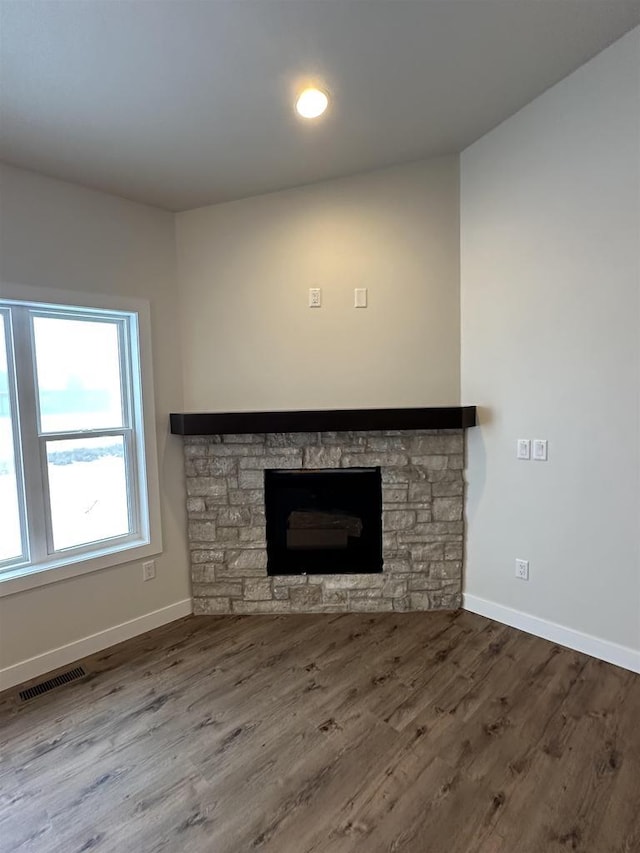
(31, 577)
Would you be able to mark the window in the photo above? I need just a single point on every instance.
(74, 458)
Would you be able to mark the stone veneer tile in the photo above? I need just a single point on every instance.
(423, 526)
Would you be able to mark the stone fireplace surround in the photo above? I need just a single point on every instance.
(422, 520)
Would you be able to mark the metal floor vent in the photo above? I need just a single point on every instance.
(51, 683)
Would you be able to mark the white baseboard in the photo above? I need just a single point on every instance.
(602, 649)
(63, 655)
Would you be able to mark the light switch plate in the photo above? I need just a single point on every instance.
(360, 297)
(540, 449)
(523, 450)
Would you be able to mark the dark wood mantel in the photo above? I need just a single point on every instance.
(322, 420)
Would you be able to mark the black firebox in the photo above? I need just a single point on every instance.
(324, 522)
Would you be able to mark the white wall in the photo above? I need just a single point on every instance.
(54, 234)
(550, 271)
(249, 339)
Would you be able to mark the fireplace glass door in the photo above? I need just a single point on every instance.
(324, 522)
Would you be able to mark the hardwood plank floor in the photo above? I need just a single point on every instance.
(359, 733)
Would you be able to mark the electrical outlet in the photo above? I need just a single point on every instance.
(540, 449)
(523, 448)
(315, 297)
(149, 570)
(522, 569)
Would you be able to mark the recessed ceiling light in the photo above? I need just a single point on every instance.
(312, 103)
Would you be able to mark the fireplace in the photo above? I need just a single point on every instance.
(323, 522)
(422, 473)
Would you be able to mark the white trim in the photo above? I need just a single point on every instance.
(149, 541)
(48, 296)
(605, 650)
(63, 655)
(31, 577)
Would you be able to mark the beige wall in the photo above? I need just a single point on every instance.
(550, 271)
(550, 339)
(57, 235)
(249, 340)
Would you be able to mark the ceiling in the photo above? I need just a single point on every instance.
(180, 104)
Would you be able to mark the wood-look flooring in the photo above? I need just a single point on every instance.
(422, 732)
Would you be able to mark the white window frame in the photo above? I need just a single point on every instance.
(139, 436)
